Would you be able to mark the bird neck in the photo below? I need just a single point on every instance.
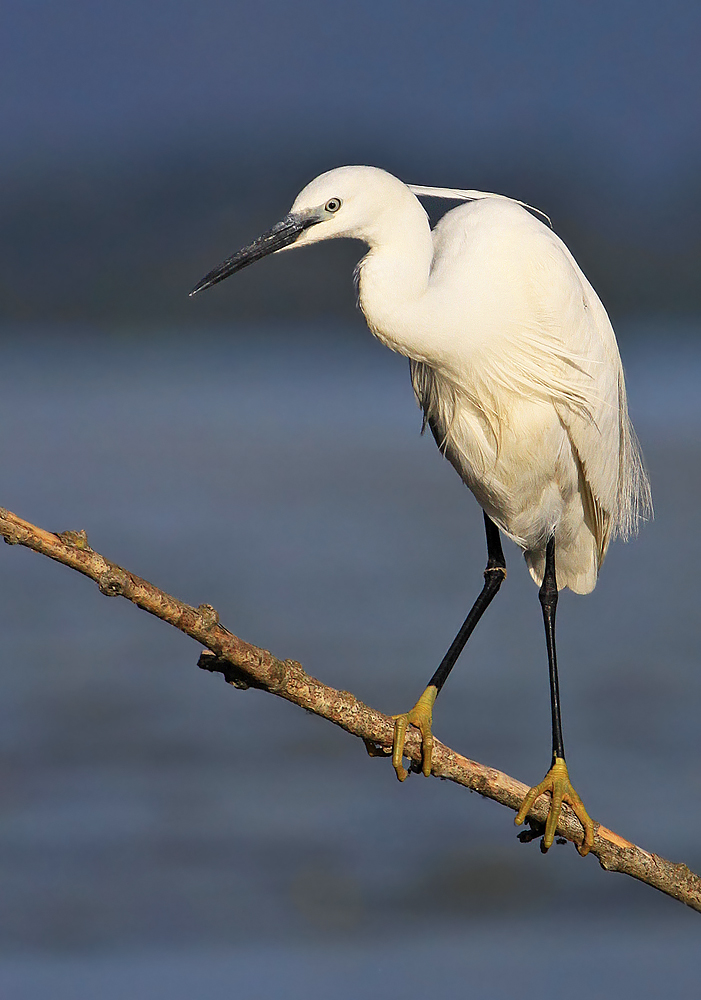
(393, 278)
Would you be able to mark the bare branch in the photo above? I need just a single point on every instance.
(245, 665)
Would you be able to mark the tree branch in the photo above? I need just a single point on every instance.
(245, 665)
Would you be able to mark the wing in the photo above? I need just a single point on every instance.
(602, 434)
(552, 340)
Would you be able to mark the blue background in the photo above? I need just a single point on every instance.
(162, 834)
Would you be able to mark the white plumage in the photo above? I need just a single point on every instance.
(515, 365)
(513, 361)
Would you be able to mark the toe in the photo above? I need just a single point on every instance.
(426, 748)
(587, 823)
(400, 724)
(553, 816)
(528, 802)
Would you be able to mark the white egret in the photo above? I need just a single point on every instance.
(515, 365)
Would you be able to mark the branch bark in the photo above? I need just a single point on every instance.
(245, 665)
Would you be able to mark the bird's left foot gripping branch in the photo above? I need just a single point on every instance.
(515, 365)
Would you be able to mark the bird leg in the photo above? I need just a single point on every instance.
(422, 712)
(557, 780)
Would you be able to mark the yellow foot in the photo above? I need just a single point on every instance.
(420, 716)
(557, 782)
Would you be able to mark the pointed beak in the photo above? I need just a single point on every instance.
(282, 235)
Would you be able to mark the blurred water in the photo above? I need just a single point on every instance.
(164, 834)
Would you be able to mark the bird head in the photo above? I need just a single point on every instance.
(345, 202)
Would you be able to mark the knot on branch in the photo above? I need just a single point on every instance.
(284, 669)
(76, 539)
(237, 675)
(376, 749)
(232, 674)
(114, 582)
(11, 533)
(209, 616)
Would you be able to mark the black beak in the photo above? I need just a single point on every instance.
(281, 235)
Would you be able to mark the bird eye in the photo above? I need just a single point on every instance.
(333, 204)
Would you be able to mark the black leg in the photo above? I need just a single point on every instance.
(548, 601)
(494, 575)
(557, 780)
(421, 714)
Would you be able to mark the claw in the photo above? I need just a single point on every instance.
(421, 716)
(557, 783)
